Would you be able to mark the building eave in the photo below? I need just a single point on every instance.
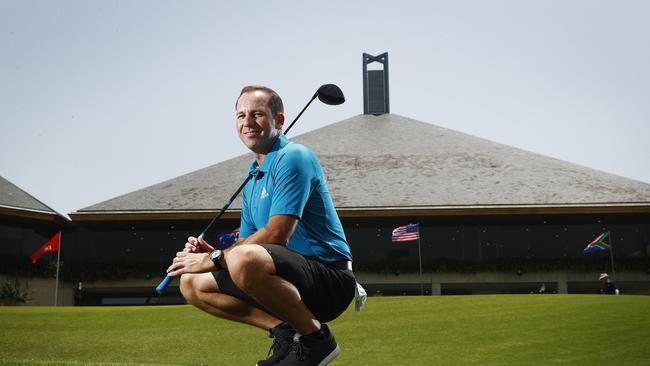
(120, 216)
(494, 210)
(358, 212)
(33, 214)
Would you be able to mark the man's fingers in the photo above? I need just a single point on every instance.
(201, 243)
(178, 264)
(196, 245)
(204, 245)
(174, 271)
(193, 241)
(180, 256)
(189, 263)
(175, 267)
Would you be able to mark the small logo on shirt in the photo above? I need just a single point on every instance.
(264, 193)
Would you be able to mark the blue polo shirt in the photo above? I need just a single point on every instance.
(291, 182)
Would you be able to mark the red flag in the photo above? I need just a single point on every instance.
(51, 246)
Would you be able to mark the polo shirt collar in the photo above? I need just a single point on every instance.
(279, 143)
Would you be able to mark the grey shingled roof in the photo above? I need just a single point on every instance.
(390, 161)
(12, 197)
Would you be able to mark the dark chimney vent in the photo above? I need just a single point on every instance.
(375, 85)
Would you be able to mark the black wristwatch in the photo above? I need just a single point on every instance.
(216, 256)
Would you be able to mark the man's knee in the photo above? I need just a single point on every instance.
(246, 263)
(193, 285)
(188, 287)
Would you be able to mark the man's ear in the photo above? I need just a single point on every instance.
(279, 120)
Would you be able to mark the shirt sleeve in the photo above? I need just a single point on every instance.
(246, 225)
(293, 181)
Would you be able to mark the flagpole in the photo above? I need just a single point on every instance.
(58, 259)
(420, 259)
(611, 254)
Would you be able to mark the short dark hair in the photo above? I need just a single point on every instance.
(275, 102)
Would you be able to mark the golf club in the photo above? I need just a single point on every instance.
(329, 94)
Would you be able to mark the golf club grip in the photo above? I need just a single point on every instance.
(163, 285)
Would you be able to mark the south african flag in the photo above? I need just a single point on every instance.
(597, 244)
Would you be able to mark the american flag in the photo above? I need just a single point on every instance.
(406, 233)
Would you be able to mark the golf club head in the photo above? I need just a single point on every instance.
(330, 94)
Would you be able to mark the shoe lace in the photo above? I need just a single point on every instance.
(296, 347)
(275, 346)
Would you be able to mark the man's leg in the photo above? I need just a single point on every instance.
(283, 282)
(252, 269)
(202, 291)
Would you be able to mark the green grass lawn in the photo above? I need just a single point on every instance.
(447, 330)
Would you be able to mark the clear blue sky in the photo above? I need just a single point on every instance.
(100, 98)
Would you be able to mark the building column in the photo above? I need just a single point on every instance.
(562, 287)
(436, 289)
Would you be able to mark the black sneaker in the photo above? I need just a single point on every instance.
(282, 338)
(312, 350)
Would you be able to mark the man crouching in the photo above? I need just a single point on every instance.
(290, 270)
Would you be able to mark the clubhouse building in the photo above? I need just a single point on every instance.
(25, 225)
(492, 218)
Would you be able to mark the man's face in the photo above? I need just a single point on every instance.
(255, 123)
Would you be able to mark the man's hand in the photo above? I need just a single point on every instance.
(186, 262)
(199, 245)
(193, 259)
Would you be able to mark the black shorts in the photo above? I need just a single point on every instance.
(325, 289)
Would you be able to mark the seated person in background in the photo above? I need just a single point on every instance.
(609, 287)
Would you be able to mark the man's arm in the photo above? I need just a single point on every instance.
(194, 259)
(278, 230)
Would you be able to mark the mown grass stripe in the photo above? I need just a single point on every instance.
(448, 330)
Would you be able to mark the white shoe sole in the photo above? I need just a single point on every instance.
(331, 356)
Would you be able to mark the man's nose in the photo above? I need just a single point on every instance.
(249, 119)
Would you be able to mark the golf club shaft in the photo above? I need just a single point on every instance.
(300, 114)
(211, 228)
(208, 232)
